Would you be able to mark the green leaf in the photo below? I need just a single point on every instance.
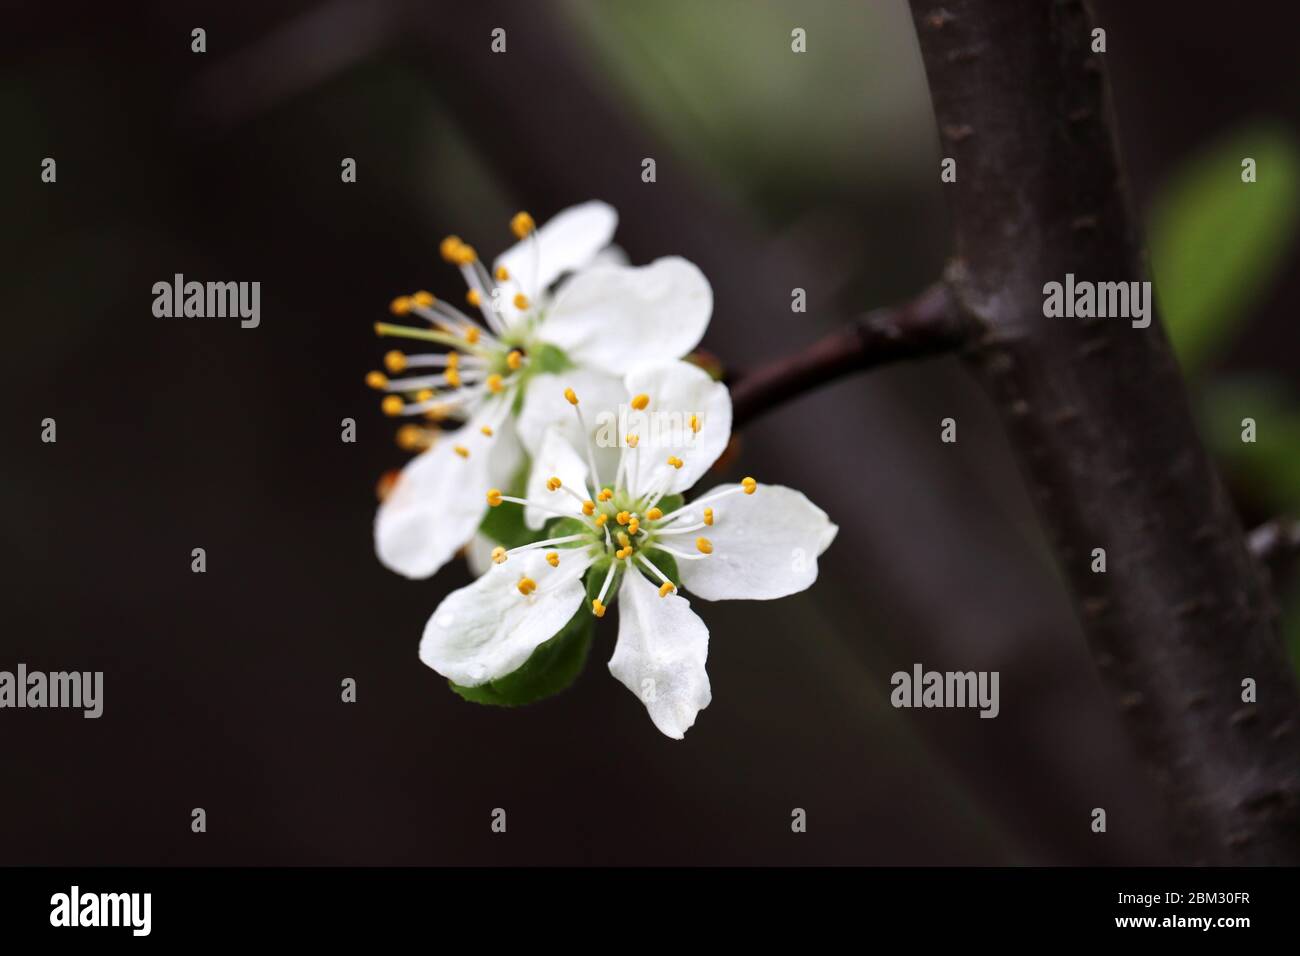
(1269, 467)
(1216, 242)
(551, 668)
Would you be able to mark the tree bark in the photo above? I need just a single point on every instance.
(1099, 418)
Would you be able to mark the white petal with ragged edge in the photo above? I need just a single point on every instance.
(620, 318)
(556, 458)
(765, 545)
(677, 390)
(569, 240)
(440, 497)
(660, 655)
(600, 397)
(488, 629)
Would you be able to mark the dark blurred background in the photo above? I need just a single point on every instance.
(775, 171)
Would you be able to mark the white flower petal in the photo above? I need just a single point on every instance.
(555, 459)
(765, 545)
(677, 390)
(617, 318)
(599, 396)
(488, 629)
(660, 655)
(567, 241)
(440, 497)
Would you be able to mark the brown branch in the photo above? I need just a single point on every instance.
(1276, 545)
(928, 325)
(1098, 415)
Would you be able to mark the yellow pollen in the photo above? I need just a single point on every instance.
(473, 298)
(521, 224)
(453, 360)
(589, 508)
(498, 555)
(654, 514)
(553, 484)
(597, 608)
(391, 405)
(521, 301)
(571, 396)
(708, 516)
(376, 379)
(622, 518)
(749, 484)
(424, 299)
(695, 424)
(632, 440)
(401, 305)
(623, 539)
(640, 402)
(464, 254)
(412, 438)
(424, 395)
(486, 430)
(436, 414)
(471, 335)
(666, 589)
(674, 461)
(601, 519)
(604, 494)
(395, 361)
(526, 586)
(502, 273)
(623, 553)
(453, 376)
(553, 559)
(494, 384)
(494, 497)
(705, 545)
(515, 359)
(447, 248)
(460, 450)
(633, 526)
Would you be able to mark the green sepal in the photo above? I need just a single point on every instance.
(551, 668)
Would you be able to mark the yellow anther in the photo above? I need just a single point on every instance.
(553, 484)
(448, 247)
(526, 586)
(633, 526)
(601, 519)
(502, 273)
(705, 545)
(521, 301)
(695, 423)
(395, 361)
(413, 438)
(749, 484)
(623, 539)
(521, 224)
(486, 430)
(623, 553)
(436, 414)
(597, 608)
(471, 335)
(589, 507)
(571, 396)
(654, 514)
(464, 254)
(498, 555)
(674, 461)
(473, 298)
(424, 299)
(494, 497)
(453, 360)
(553, 559)
(708, 516)
(391, 405)
(460, 450)
(495, 384)
(604, 494)
(401, 305)
(424, 395)
(623, 518)
(666, 589)
(632, 440)
(453, 376)
(640, 402)
(515, 359)
(387, 482)
(376, 379)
